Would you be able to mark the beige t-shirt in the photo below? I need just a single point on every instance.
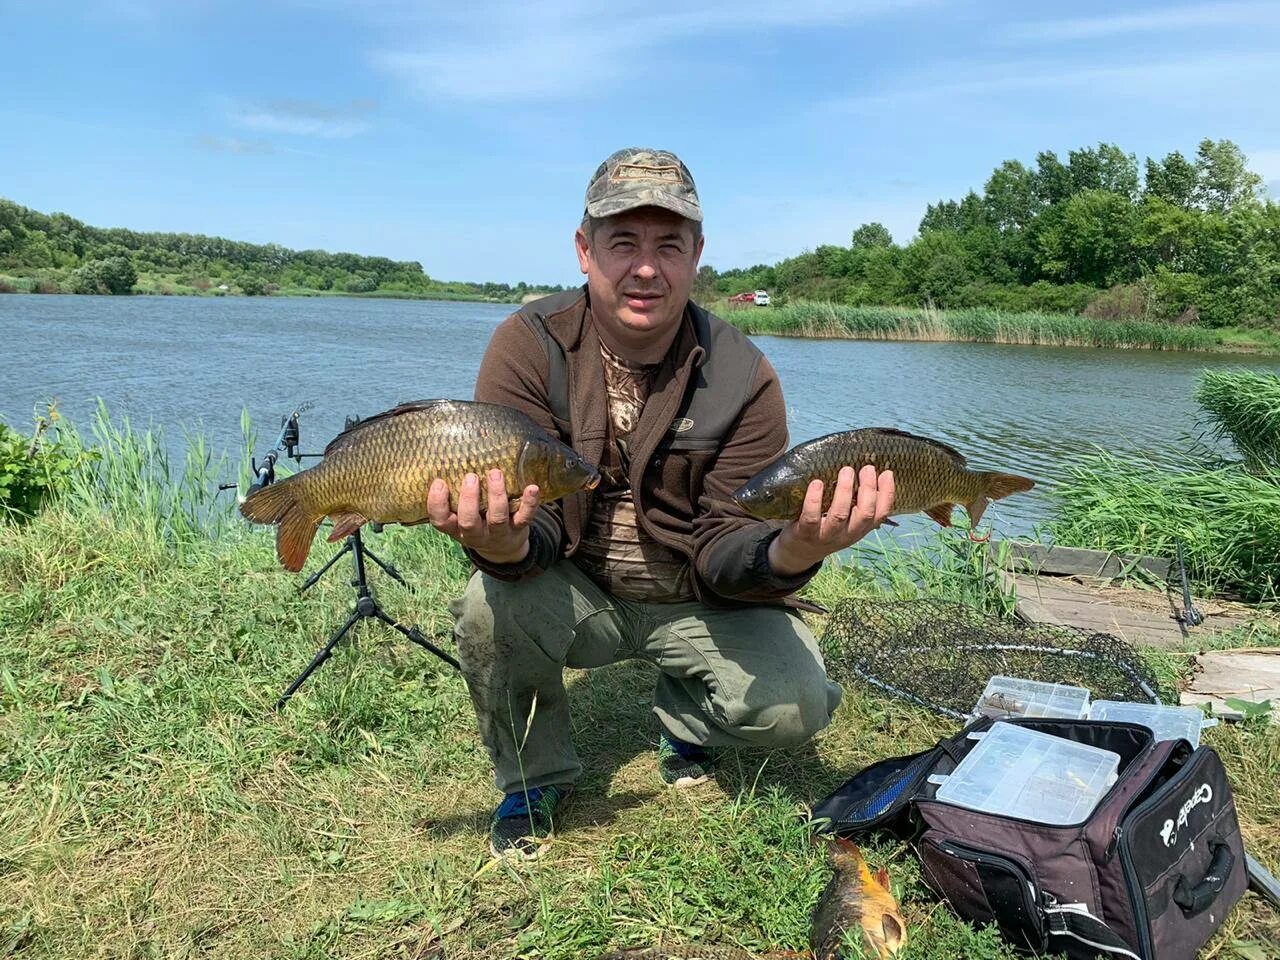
(615, 552)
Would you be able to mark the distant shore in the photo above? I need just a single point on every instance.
(982, 325)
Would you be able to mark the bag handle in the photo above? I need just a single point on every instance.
(1193, 900)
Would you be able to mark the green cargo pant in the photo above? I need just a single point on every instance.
(748, 676)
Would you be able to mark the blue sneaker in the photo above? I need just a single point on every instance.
(684, 764)
(525, 820)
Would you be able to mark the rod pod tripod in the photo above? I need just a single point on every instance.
(366, 608)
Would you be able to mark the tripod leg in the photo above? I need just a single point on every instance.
(346, 547)
(414, 634)
(389, 568)
(321, 656)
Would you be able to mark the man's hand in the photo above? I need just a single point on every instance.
(495, 535)
(812, 536)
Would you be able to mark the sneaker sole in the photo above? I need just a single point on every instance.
(683, 783)
(515, 853)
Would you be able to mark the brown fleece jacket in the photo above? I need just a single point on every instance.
(681, 482)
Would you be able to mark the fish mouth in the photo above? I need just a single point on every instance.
(592, 482)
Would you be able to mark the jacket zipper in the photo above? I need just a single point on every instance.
(1142, 922)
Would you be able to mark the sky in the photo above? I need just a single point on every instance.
(462, 135)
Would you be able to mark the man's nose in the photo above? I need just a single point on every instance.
(644, 269)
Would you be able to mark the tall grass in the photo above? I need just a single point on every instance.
(1226, 515)
(133, 478)
(806, 319)
(1245, 407)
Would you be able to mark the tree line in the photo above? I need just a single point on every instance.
(61, 254)
(1179, 239)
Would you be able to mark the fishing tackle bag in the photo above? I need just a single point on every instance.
(1150, 875)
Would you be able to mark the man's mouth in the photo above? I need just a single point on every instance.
(639, 301)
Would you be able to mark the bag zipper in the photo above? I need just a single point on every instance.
(1109, 854)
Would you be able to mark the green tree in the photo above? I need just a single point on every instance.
(1173, 180)
(1223, 178)
(871, 235)
(1089, 239)
(1051, 180)
(1011, 196)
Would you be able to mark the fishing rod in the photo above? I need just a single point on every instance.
(286, 444)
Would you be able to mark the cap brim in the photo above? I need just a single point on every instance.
(611, 206)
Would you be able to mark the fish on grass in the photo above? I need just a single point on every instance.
(856, 907)
(380, 470)
(929, 477)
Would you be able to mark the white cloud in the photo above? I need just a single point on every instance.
(505, 51)
(233, 145)
(305, 118)
(1206, 15)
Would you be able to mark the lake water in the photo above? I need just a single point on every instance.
(192, 364)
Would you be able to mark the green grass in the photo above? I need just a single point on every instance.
(806, 319)
(154, 804)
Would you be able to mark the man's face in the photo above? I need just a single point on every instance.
(640, 267)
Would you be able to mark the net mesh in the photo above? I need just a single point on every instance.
(940, 654)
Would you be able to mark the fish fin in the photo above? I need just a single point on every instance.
(345, 524)
(882, 877)
(941, 514)
(345, 436)
(995, 486)
(294, 535)
(268, 504)
(895, 934)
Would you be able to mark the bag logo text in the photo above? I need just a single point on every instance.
(1169, 832)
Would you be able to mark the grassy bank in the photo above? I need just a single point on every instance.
(155, 804)
(836, 321)
(176, 285)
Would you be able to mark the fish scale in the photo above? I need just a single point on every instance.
(381, 468)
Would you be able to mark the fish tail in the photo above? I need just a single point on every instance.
(281, 504)
(995, 486)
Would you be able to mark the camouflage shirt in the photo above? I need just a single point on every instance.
(615, 550)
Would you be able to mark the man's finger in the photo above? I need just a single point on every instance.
(885, 489)
(864, 513)
(811, 509)
(469, 506)
(438, 502)
(842, 499)
(496, 515)
(529, 501)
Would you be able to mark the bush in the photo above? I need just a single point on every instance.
(33, 469)
(1124, 301)
(113, 275)
(6, 287)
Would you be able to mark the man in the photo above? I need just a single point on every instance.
(678, 409)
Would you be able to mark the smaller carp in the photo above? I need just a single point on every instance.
(929, 477)
(855, 899)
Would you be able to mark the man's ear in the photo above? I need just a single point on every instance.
(584, 249)
(697, 250)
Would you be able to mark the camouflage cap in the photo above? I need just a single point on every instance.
(640, 177)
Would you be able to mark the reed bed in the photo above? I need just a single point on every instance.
(835, 321)
(1244, 407)
(1226, 514)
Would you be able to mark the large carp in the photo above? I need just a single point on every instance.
(929, 477)
(380, 469)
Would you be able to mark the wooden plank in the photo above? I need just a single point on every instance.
(1246, 674)
(1067, 603)
(1037, 558)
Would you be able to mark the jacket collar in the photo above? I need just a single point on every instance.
(568, 326)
